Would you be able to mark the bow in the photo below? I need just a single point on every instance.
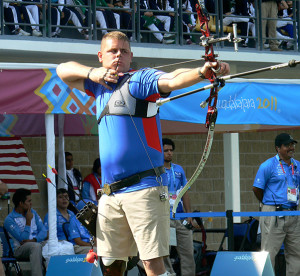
(216, 84)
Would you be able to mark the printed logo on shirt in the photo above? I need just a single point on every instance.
(177, 174)
(119, 103)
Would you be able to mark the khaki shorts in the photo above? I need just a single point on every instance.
(133, 222)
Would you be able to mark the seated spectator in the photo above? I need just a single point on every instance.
(149, 21)
(165, 18)
(74, 179)
(188, 19)
(3, 191)
(251, 24)
(55, 18)
(125, 16)
(80, 237)
(27, 231)
(32, 16)
(110, 4)
(105, 17)
(63, 215)
(75, 14)
(285, 26)
(12, 14)
(231, 15)
(92, 183)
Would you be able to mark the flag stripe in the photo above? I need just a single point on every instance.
(11, 165)
(15, 168)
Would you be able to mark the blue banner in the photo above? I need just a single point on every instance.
(240, 103)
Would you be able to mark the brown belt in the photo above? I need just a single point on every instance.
(131, 180)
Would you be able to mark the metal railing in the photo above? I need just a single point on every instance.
(139, 31)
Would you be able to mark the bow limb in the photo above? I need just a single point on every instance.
(199, 168)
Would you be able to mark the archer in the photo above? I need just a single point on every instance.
(133, 212)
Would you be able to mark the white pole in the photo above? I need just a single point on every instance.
(50, 140)
(232, 173)
(61, 152)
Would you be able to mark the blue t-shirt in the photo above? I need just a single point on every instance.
(275, 180)
(60, 222)
(77, 230)
(176, 181)
(124, 151)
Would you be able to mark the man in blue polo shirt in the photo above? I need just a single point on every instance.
(27, 231)
(276, 185)
(63, 215)
(184, 237)
(133, 214)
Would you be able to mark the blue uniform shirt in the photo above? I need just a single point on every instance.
(15, 224)
(60, 221)
(77, 230)
(124, 151)
(274, 180)
(176, 181)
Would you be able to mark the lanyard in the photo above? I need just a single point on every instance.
(293, 172)
(171, 179)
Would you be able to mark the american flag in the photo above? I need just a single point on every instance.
(15, 168)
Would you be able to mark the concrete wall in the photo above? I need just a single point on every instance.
(207, 194)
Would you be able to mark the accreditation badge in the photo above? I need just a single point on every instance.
(292, 194)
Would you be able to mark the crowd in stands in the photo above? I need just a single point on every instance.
(29, 233)
(157, 16)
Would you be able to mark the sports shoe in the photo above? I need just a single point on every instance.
(22, 32)
(266, 46)
(167, 41)
(189, 42)
(168, 35)
(290, 46)
(275, 48)
(36, 33)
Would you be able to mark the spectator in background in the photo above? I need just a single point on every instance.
(92, 183)
(165, 18)
(105, 17)
(269, 9)
(251, 24)
(276, 186)
(184, 237)
(63, 215)
(125, 16)
(27, 231)
(80, 237)
(285, 25)
(3, 191)
(12, 14)
(110, 4)
(32, 16)
(149, 21)
(55, 18)
(188, 19)
(75, 14)
(74, 179)
(232, 15)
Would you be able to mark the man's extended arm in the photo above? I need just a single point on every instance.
(182, 78)
(74, 74)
